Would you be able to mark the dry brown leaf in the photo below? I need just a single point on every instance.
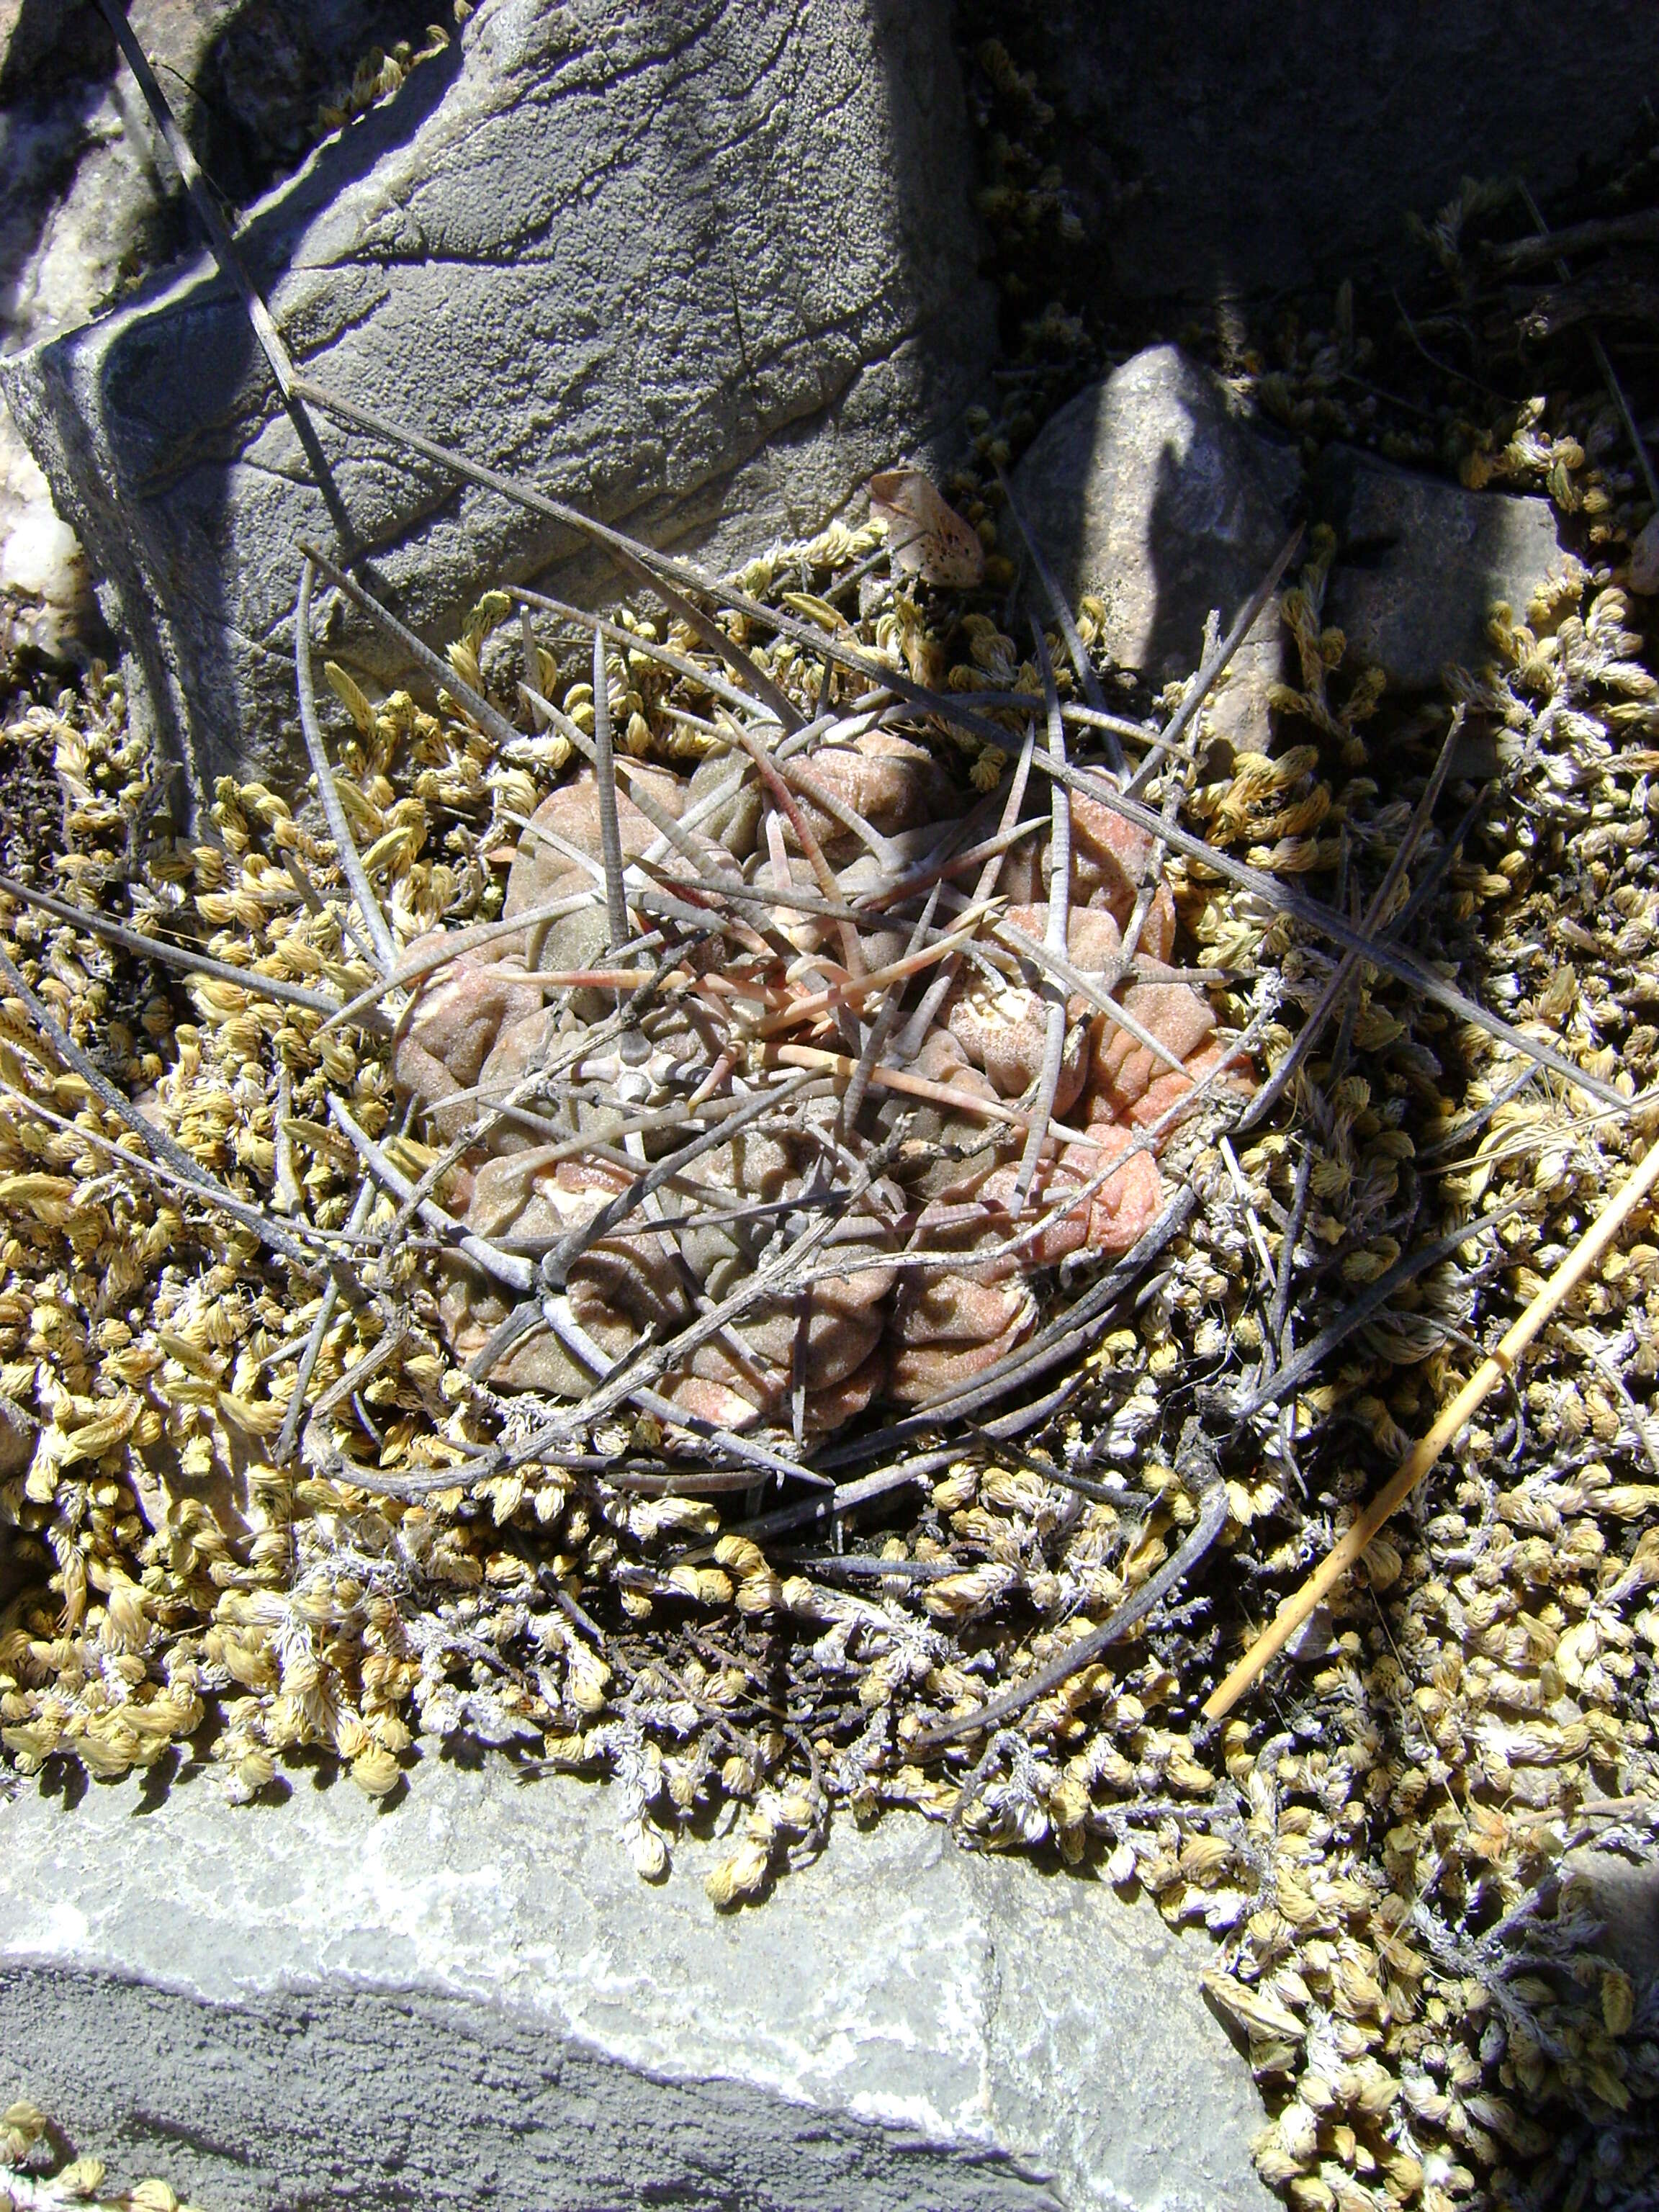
(926, 538)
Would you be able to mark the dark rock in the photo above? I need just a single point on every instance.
(1421, 563)
(675, 265)
(1214, 149)
(1150, 493)
(1622, 1894)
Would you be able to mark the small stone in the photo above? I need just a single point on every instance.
(1623, 1896)
(1150, 492)
(1644, 559)
(1314, 1639)
(1421, 563)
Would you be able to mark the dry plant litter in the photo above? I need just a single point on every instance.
(271, 1497)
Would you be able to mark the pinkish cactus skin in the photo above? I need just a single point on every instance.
(453, 1021)
(1001, 1029)
(879, 1332)
(894, 785)
(541, 872)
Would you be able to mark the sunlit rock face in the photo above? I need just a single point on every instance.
(699, 269)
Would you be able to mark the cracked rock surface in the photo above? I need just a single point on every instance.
(469, 1998)
(91, 198)
(673, 263)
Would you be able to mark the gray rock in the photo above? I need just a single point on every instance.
(469, 1998)
(700, 267)
(81, 200)
(91, 200)
(1149, 492)
(1421, 561)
